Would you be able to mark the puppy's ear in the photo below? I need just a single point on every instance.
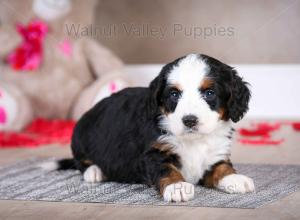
(240, 95)
(158, 85)
(156, 88)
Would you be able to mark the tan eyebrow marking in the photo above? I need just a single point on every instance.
(206, 84)
(177, 86)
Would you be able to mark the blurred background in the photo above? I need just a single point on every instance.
(258, 31)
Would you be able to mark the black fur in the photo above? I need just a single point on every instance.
(117, 135)
(66, 164)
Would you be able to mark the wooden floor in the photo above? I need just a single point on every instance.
(286, 208)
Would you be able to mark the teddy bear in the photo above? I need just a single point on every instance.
(47, 72)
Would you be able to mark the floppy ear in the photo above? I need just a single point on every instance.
(156, 88)
(240, 95)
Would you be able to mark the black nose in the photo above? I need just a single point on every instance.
(190, 121)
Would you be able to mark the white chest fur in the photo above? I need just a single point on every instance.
(199, 153)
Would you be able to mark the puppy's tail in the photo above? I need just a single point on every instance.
(63, 164)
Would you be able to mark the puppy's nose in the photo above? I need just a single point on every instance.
(190, 121)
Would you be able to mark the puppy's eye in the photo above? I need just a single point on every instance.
(209, 95)
(174, 95)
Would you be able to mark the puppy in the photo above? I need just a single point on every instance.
(173, 135)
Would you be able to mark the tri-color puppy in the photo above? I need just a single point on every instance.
(174, 134)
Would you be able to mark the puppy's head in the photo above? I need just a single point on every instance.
(196, 93)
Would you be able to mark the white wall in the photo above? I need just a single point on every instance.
(275, 88)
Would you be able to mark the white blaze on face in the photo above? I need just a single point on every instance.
(189, 75)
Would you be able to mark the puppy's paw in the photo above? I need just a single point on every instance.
(179, 192)
(236, 183)
(93, 174)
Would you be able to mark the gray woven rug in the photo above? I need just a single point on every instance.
(25, 181)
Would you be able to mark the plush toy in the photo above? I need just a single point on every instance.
(46, 71)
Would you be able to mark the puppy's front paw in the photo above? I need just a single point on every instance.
(236, 183)
(179, 192)
(93, 174)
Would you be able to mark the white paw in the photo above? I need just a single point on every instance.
(236, 183)
(93, 174)
(179, 192)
